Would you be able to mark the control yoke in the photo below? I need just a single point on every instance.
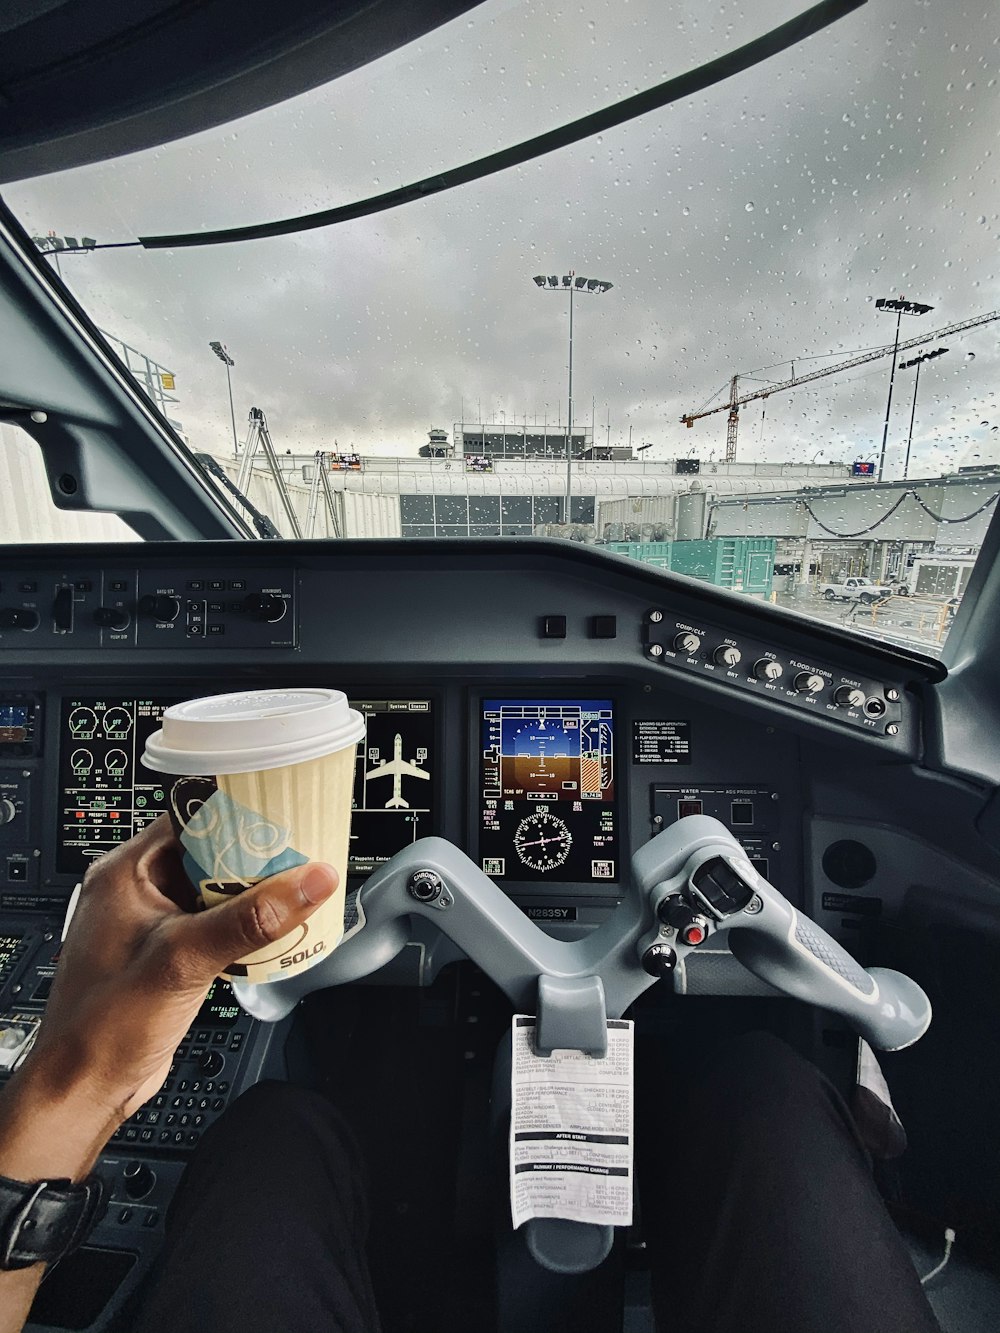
(687, 883)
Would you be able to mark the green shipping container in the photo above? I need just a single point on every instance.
(742, 564)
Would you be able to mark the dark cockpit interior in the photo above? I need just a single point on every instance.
(855, 775)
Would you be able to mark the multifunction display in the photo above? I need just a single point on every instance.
(549, 807)
(107, 794)
(394, 781)
(18, 724)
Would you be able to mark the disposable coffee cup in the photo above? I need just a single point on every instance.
(265, 781)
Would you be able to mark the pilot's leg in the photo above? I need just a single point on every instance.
(762, 1213)
(268, 1227)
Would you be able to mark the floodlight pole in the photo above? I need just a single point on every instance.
(570, 282)
(917, 361)
(232, 410)
(569, 418)
(901, 306)
(222, 353)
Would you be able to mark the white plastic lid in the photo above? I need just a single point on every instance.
(256, 729)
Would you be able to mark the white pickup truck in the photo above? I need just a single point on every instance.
(855, 589)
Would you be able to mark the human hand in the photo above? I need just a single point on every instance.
(135, 969)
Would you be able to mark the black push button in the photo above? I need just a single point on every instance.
(553, 627)
(604, 627)
(721, 887)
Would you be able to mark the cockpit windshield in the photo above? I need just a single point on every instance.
(749, 337)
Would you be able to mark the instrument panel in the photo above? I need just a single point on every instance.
(532, 701)
(542, 706)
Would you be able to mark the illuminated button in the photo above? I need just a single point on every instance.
(727, 655)
(847, 696)
(808, 682)
(687, 642)
(767, 669)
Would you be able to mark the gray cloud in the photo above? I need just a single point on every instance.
(749, 226)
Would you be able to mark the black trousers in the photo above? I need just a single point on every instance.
(759, 1206)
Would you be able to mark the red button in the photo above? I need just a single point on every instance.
(692, 934)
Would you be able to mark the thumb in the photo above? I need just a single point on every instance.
(258, 916)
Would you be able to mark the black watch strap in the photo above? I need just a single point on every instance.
(43, 1221)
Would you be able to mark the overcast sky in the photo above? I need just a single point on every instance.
(744, 229)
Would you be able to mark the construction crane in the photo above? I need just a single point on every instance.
(736, 399)
(259, 440)
(259, 437)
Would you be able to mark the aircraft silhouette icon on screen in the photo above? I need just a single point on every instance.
(397, 767)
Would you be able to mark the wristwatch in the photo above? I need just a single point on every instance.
(45, 1220)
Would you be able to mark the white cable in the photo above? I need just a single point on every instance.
(949, 1240)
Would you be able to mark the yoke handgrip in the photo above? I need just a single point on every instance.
(796, 956)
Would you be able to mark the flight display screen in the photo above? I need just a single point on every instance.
(394, 780)
(549, 805)
(107, 794)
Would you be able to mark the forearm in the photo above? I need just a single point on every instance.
(47, 1132)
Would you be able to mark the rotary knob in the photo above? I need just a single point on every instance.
(767, 669)
(211, 1064)
(112, 617)
(659, 960)
(848, 696)
(265, 606)
(139, 1180)
(808, 682)
(160, 606)
(8, 810)
(726, 655)
(19, 617)
(687, 642)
